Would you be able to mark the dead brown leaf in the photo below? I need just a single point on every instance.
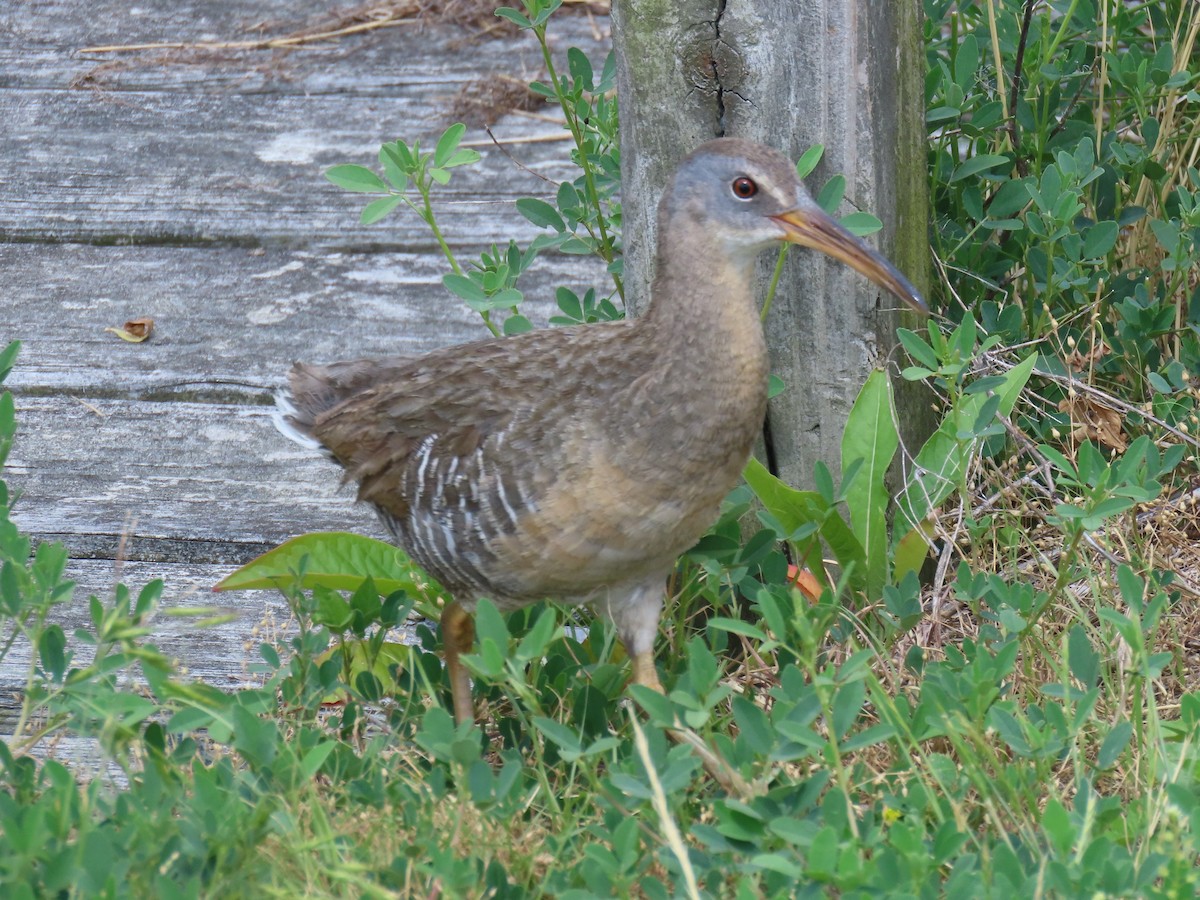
(1082, 360)
(1092, 420)
(135, 330)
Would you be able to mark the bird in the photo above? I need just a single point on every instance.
(577, 464)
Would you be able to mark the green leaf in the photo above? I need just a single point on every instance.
(736, 626)
(1114, 745)
(754, 727)
(558, 733)
(447, 144)
(8, 356)
(533, 645)
(256, 739)
(463, 287)
(550, 7)
(315, 758)
(831, 195)
(580, 68)
(1056, 823)
(334, 559)
(910, 553)
(463, 157)
(795, 509)
(876, 734)
(377, 209)
(918, 349)
(506, 12)
(505, 299)
(870, 435)
(966, 62)
(1100, 238)
(847, 707)
(981, 163)
(540, 213)
(356, 178)
(809, 159)
(941, 114)
(861, 223)
(517, 324)
(392, 170)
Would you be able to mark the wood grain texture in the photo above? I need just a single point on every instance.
(187, 187)
(207, 477)
(229, 321)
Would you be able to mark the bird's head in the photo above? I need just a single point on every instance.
(748, 197)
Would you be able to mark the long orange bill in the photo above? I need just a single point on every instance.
(810, 227)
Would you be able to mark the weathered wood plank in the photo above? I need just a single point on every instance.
(230, 148)
(169, 168)
(40, 40)
(230, 322)
(186, 481)
(189, 189)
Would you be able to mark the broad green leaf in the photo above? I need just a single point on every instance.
(540, 213)
(447, 144)
(917, 348)
(736, 626)
(861, 223)
(392, 170)
(966, 62)
(911, 551)
(870, 435)
(1114, 745)
(315, 758)
(831, 195)
(809, 159)
(506, 12)
(356, 178)
(464, 287)
(794, 509)
(558, 733)
(580, 68)
(8, 356)
(462, 157)
(517, 324)
(335, 559)
(546, 12)
(1100, 238)
(535, 641)
(981, 163)
(377, 209)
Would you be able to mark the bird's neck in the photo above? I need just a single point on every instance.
(703, 310)
(709, 352)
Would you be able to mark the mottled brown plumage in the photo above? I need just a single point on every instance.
(577, 464)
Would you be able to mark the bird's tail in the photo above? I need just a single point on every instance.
(311, 391)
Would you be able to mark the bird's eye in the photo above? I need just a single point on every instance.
(744, 187)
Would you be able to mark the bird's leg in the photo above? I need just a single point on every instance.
(636, 618)
(458, 636)
(645, 673)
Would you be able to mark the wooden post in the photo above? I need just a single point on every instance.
(847, 74)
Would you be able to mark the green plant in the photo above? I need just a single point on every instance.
(1023, 724)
